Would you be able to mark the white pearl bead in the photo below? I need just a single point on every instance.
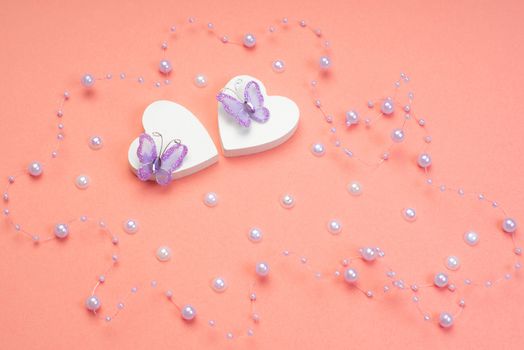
(211, 199)
(163, 253)
(61, 230)
(278, 66)
(334, 227)
(452, 262)
(87, 80)
(445, 320)
(397, 135)
(350, 275)
(255, 235)
(201, 81)
(352, 118)
(441, 280)
(219, 285)
(325, 62)
(318, 149)
(82, 182)
(35, 169)
(131, 226)
(287, 201)
(424, 160)
(471, 238)
(93, 303)
(409, 214)
(262, 269)
(165, 66)
(188, 312)
(387, 107)
(354, 188)
(95, 142)
(509, 225)
(249, 40)
(368, 254)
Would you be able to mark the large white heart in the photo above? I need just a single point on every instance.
(174, 121)
(238, 141)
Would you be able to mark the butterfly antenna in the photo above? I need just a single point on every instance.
(177, 141)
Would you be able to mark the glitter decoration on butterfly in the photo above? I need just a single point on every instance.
(243, 109)
(159, 165)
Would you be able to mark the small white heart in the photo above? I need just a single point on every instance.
(238, 140)
(174, 121)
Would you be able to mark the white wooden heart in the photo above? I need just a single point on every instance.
(174, 121)
(238, 141)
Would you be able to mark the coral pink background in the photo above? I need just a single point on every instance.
(465, 60)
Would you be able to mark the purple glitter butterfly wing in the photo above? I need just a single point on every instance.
(171, 160)
(146, 151)
(254, 96)
(144, 172)
(235, 108)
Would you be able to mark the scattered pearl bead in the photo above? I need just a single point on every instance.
(445, 320)
(350, 275)
(278, 66)
(61, 230)
(262, 269)
(287, 201)
(424, 160)
(163, 254)
(354, 188)
(318, 149)
(255, 235)
(188, 312)
(249, 40)
(302, 23)
(397, 135)
(93, 303)
(368, 254)
(5, 196)
(352, 118)
(67, 95)
(334, 227)
(452, 262)
(409, 214)
(325, 62)
(387, 107)
(87, 80)
(82, 182)
(211, 199)
(219, 285)
(509, 225)
(200, 80)
(35, 169)
(471, 238)
(225, 39)
(441, 280)
(165, 66)
(131, 226)
(95, 142)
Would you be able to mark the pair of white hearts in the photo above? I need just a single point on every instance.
(174, 121)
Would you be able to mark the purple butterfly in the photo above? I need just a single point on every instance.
(160, 165)
(247, 108)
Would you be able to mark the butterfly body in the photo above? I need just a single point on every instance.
(246, 108)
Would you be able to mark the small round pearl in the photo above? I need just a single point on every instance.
(87, 80)
(424, 160)
(350, 275)
(93, 303)
(445, 320)
(452, 262)
(397, 135)
(441, 280)
(200, 80)
(509, 225)
(354, 188)
(278, 66)
(409, 214)
(163, 253)
(219, 285)
(287, 201)
(387, 107)
(318, 149)
(61, 230)
(188, 312)
(262, 269)
(211, 199)
(35, 169)
(82, 182)
(225, 39)
(131, 226)
(351, 118)
(249, 40)
(334, 226)
(368, 254)
(325, 62)
(471, 238)
(255, 235)
(95, 142)
(165, 66)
